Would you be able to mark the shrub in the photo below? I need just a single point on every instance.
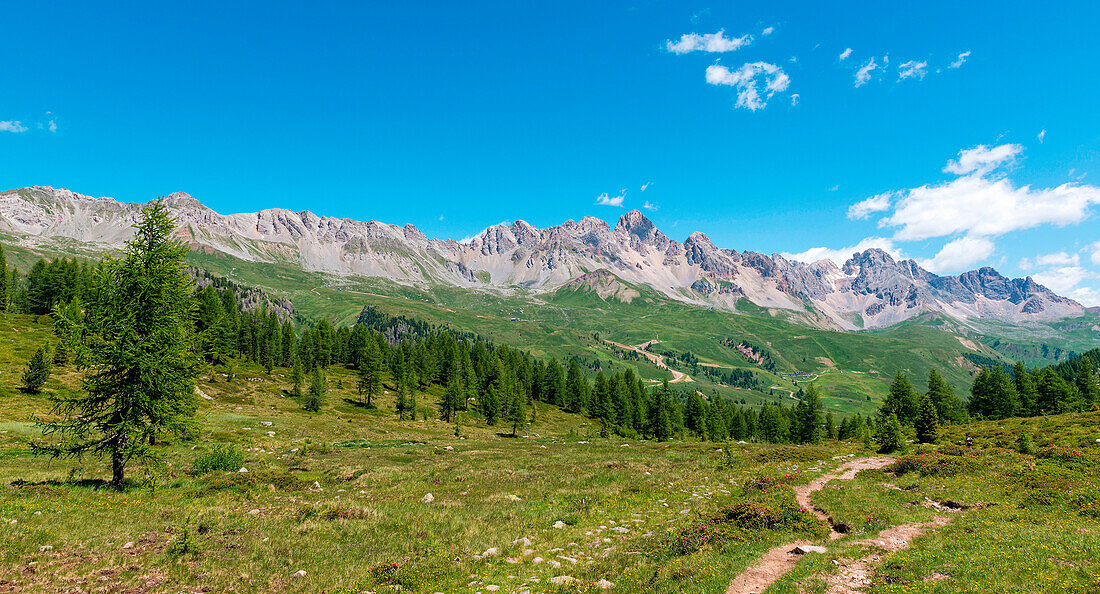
(1087, 501)
(1024, 445)
(242, 481)
(224, 457)
(794, 454)
(934, 464)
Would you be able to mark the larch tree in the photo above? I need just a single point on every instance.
(137, 352)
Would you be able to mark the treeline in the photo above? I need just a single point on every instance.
(1065, 387)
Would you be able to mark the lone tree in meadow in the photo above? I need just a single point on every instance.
(137, 351)
(370, 372)
(890, 437)
(928, 430)
(318, 387)
(37, 372)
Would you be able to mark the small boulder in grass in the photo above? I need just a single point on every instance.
(559, 524)
(300, 573)
(604, 584)
(427, 498)
(803, 549)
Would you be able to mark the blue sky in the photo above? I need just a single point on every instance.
(742, 120)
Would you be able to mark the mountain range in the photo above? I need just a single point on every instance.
(870, 290)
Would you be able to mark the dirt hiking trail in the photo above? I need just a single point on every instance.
(781, 559)
(658, 360)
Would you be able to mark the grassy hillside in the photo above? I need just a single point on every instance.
(341, 495)
(572, 322)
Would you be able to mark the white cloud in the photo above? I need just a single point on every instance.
(756, 82)
(844, 54)
(864, 73)
(649, 206)
(959, 255)
(646, 185)
(606, 200)
(835, 188)
(960, 60)
(708, 42)
(1063, 279)
(982, 158)
(985, 205)
(12, 126)
(794, 99)
(768, 31)
(864, 208)
(1095, 257)
(1087, 296)
(1056, 259)
(912, 69)
(1041, 135)
(51, 126)
(840, 256)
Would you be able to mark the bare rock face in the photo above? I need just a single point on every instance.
(871, 285)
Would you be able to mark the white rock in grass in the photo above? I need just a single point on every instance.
(300, 573)
(604, 585)
(492, 587)
(254, 512)
(526, 542)
(427, 498)
(559, 524)
(491, 552)
(44, 548)
(554, 564)
(620, 529)
(243, 469)
(128, 545)
(562, 580)
(537, 560)
(513, 497)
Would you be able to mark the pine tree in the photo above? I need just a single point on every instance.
(370, 372)
(1025, 390)
(296, 377)
(4, 279)
(449, 402)
(37, 372)
(139, 352)
(318, 388)
(1087, 390)
(902, 401)
(928, 422)
(60, 354)
(808, 416)
(948, 406)
(516, 415)
(890, 437)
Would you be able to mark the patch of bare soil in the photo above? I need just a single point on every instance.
(827, 362)
(781, 559)
(855, 575)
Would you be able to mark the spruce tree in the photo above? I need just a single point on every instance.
(928, 422)
(37, 372)
(138, 352)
